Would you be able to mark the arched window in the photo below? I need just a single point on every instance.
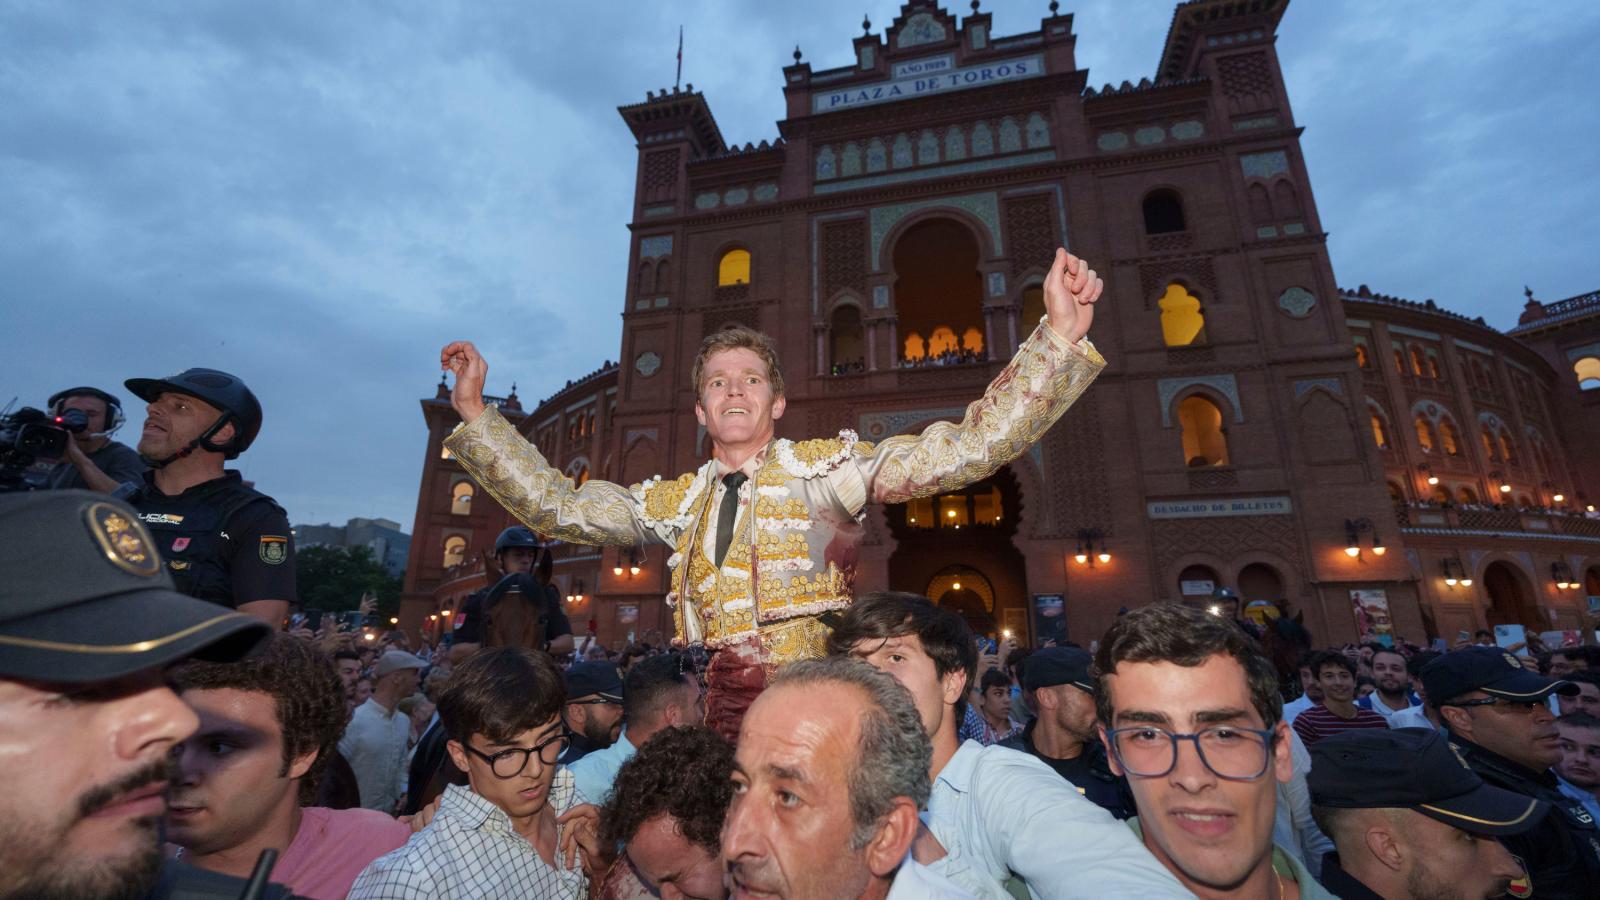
(1508, 450)
(972, 340)
(1396, 493)
(1399, 361)
(1424, 433)
(461, 498)
(1362, 359)
(916, 348)
(1198, 582)
(1260, 204)
(846, 341)
(943, 340)
(1380, 431)
(455, 550)
(1466, 495)
(578, 471)
(1163, 212)
(1205, 442)
(1433, 365)
(1488, 444)
(1440, 494)
(1259, 581)
(1288, 202)
(1182, 322)
(664, 277)
(647, 278)
(734, 268)
(1524, 501)
(1032, 310)
(1416, 361)
(1449, 438)
(1588, 372)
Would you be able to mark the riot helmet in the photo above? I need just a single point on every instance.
(226, 392)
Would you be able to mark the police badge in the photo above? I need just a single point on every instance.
(273, 548)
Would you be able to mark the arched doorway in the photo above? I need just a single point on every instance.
(938, 294)
(1511, 600)
(963, 537)
(1196, 584)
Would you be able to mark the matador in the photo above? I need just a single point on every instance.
(765, 534)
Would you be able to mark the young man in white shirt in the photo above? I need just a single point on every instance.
(1391, 674)
(999, 813)
(499, 836)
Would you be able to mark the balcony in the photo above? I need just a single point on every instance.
(1429, 517)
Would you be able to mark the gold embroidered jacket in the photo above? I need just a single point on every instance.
(793, 555)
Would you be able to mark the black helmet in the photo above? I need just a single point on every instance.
(224, 391)
(515, 536)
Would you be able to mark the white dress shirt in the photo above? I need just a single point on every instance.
(375, 744)
(470, 851)
(914, 881)
(1293, 829)
(1000, 812)
(596, 772)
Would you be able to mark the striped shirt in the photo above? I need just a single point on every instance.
(1319, 722)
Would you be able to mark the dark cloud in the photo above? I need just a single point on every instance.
(317, 195)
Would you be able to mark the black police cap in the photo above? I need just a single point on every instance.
(1416, 769)
(85, 597)
(1491, 670)
(594, 679)
(1058, 665)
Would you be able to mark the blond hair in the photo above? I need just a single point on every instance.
(736, 337)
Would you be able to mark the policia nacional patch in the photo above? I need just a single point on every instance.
(273, 549)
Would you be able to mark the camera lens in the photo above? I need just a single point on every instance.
(73, 420)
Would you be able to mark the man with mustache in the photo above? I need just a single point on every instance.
(766, 533)
(87, 720)
(1499, 720)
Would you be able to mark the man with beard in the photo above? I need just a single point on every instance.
(1063, 735)
(766, 531)
(1311, 692)
(593, 711)
(1410, 821)
(87, 721)
(1499, 719)
(1393, 681)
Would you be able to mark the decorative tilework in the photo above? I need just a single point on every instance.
(707, 201)
(997, 284)
(665, 209)
(922, 174)
(982, 139)
(850, 160)
(877, 426)
(826, 165)
(1167, 388)
(1294, 228)
(648, 363)
(955, 143)
(1010, 135)
(766, 193)
(1252, 124)
(1264, 165)
(880, 296)
(1038, 131)
(1331, 385)
(1266, 231)
(927, 149)
(921, 28)
(877, 156)
(984, 207)
(655, 245)
(902, 151)
(1148, 135)
(1297, 302)
(1112, 140)
(1188, 130)
(736, 197)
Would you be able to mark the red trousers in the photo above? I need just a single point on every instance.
(736, 676)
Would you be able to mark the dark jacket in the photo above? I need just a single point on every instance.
(1562, 853)
(1090, 773)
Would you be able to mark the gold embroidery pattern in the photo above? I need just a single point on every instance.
(796, 639)
(663, 501)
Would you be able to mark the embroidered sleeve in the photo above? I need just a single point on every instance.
(1045, 377)
(517, 475)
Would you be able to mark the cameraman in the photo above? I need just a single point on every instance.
(222, 540)
(92, 459)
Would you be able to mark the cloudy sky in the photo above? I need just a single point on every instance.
(317, 195)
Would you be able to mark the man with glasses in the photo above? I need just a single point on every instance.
(1190, 710)
(1499, 720)
(499, 836)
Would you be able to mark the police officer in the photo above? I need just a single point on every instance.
(89, 623)
(516, 551)
(1408, 818)
(92, 459)
(1063, 735)
(1499, 719)
(222, 541)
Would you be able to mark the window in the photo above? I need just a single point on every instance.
(1362, 359)
(846, 341)
(1507, 449)
(647, 278)
(1399, 361)
(1182, 322)
(1588, 372)
(1032, 310)
(734, 268)
(1488, 444)
(1424, 433)
(1288, 202)
(1163, 212)
(1260, 204)
(916, 347)
(1433, 365)
(1396, 494)
(1449, 438)
(1524, 501)
(1380, 432)
(1440, 494)
(461, 498)
(455, 550)
(1466, 495)
(1416, 361)
(664, 277)
(1205, 442)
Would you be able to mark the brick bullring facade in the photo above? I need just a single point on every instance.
(892, 239)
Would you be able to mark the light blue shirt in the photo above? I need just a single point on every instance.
(596, 772)
(1000, 812)
(1587, 798)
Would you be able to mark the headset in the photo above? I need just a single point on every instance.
(114, 416)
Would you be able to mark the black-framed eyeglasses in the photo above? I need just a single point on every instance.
(509, 763)
(1522, 706)
(1229, 751)
(595, 701)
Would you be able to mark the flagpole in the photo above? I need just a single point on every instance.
(679, 79)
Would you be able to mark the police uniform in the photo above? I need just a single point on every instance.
(1415, 769)
(104, 609)
(221, 540)
(1089, 771)
(1561, 854)
(474, 609)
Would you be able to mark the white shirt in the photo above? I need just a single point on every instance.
(999, 811)
(375, 746)
(915, 881)
(1410, 717)
(470, 851)
(1374, 702)
(1297, 706)
(596, 772)
(1293, 829)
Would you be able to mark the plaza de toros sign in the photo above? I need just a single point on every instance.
(933, 75)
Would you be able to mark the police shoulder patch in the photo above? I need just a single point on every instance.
(125, 542)
(273, 548)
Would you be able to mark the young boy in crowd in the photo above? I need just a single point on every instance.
(269, 727)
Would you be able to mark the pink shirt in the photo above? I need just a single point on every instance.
(332, 847)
